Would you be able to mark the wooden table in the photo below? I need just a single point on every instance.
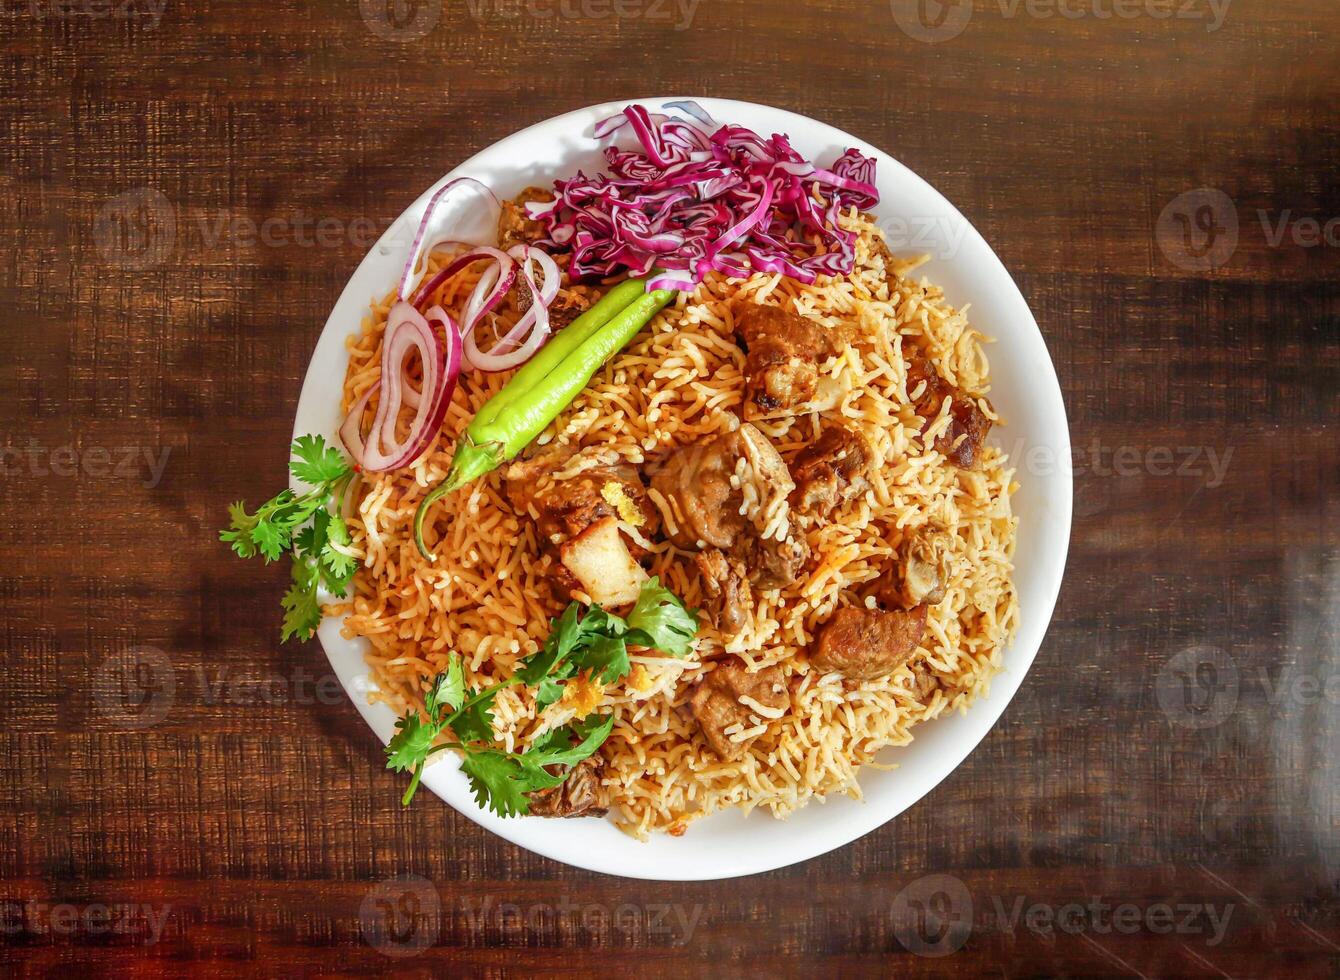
(184, 189)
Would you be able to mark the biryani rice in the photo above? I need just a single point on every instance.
(487, 598)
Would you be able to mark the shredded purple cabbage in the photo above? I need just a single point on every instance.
(698, 197)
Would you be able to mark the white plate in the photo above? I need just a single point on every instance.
(1024, 389)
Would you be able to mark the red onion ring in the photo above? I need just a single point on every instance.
(407, 330)
(511, 351)
(421, 244)
(460, 262)
(490, 289)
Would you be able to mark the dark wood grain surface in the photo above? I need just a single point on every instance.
(1163, 797)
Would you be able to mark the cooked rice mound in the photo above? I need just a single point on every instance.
(487, 596)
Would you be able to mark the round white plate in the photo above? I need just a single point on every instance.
(1024, 389)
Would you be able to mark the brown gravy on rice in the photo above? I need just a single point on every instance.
(488, 596)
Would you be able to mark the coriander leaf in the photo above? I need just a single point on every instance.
(598, 622)
(272, 541)
(659, 620)
(281, 525)
(551, 688)
(500, 782)
(275, 508)
(556, 748)
(411, 742)
(337, 533)
(605, 657)
(291, 512)
(564, 632)
(552, 740)
(302, 610)
(447, 689)
(317, 463)
(239, 532)
(337, 568)
(311, 539)
(570, 632)
(591, 641)
(270, 530)
(474, 723)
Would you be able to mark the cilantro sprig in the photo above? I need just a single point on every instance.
(598, 642)
(594, 641)
(303, 526)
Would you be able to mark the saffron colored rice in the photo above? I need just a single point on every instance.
(487, 595)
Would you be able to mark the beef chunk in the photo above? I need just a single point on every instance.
(727, 585)
(773, 564)
(697, 479)
(781, 370)
(563, 312)
(577, 796)
(566, 307)
(831, 470)
(515, 226)
(925, 681)
(865, 644)
(716, 702)
(961, 443)
(920, 574)
(568, 507)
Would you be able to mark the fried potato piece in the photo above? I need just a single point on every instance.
(600, 561)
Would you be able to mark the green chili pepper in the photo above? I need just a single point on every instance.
(543, 387)
(556, 351)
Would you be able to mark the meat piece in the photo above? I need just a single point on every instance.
(961, 443)
(781, 370)
(831, 470)
(576, 796)
(727, 586)
(925, 681)
(599, 559)
(865, 644)
(563, 312)
(921, 573)
(697, 478)
(566, 307)
(717, 706)
(515, 226)
(576, 520)
(710, 482)
(966, 435)
(773, 564)
(568, 507)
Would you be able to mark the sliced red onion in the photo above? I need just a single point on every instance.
(409, 395)
(407, 330)
(511, 350)
(491, 288)
(422, 244)
(553, 278)
(476, 254)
